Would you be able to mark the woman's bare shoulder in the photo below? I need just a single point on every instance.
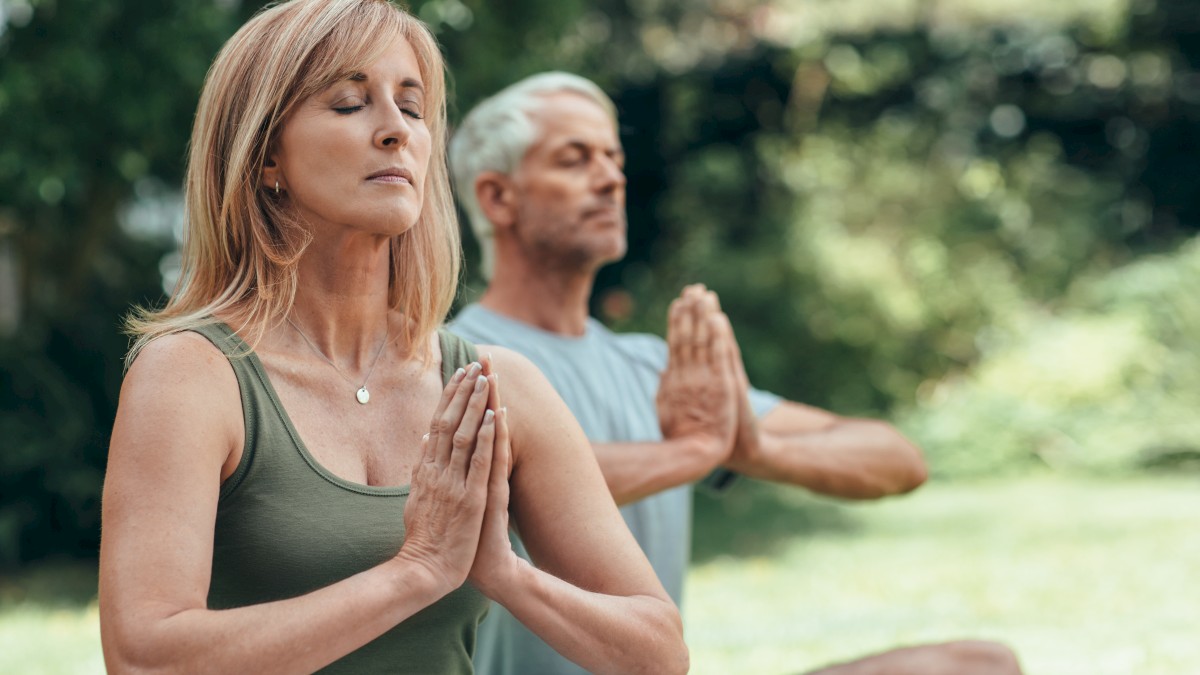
(179, 357)
(184, 378)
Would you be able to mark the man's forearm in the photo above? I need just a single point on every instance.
(852, 459)
(634, 471)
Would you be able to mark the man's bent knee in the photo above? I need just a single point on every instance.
(984, 657)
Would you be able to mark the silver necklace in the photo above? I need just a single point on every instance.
(362, 394)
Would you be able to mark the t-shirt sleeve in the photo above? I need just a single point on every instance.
(763, 402)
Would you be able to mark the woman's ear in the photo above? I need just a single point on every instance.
(497, 198)
(272, 176)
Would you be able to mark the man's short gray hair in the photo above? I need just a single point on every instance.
(495, 136)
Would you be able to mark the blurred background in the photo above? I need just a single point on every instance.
(976, 219)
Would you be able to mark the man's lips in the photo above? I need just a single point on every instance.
(607, 211)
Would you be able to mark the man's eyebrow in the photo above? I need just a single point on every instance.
(580, 144)
(406, 83)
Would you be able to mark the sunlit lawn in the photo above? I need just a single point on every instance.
(48, 622)
(1081, 577)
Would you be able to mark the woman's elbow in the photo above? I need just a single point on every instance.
(122, 657)
(680, 662)
(672, 655)
(677, 657)
(129, 648)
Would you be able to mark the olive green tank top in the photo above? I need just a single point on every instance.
(286, 526)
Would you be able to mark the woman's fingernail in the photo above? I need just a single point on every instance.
(480, 384)
(458, 375)
(475, 368)
(489, 416)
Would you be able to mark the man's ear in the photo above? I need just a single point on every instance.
(497, 198)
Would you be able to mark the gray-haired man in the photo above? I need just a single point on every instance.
(539, 170)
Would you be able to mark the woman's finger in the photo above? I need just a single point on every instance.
(448, 392)
(446, 424)
(481, 459)
(494, 392)
(489, 371)
(502, 464)
(463, 443)
(427, 450)
(497, 499)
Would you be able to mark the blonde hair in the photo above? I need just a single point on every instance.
(241, 246)
(498, 132)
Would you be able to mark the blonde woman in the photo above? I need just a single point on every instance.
(305, 472)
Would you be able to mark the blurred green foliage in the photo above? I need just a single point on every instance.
(963, 214)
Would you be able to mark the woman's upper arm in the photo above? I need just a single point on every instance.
(178, 424)
(559, 500)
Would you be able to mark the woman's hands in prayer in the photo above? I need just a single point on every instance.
(445, 509)
(456, 519)
(495, 558)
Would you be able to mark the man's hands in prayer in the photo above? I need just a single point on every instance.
(701, 394)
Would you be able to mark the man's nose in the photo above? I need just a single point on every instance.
(611, 174)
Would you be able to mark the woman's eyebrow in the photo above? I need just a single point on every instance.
(406, 83)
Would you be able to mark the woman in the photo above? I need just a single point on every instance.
(258, 514)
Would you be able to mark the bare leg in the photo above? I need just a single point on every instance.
(963, 657)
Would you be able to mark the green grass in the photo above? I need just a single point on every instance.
(1078, 576)
(49, 624)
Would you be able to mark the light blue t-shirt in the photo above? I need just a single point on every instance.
(609, 381)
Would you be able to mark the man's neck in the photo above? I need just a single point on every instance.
(554, 301)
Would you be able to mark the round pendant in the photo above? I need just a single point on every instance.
(363, 396)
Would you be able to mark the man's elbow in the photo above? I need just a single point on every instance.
(911, 471)
(903, 471)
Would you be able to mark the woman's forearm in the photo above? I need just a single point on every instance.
(299, 634)
(602, 633)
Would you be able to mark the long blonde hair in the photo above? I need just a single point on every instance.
(241, 247)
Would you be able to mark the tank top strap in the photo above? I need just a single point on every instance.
(223, 338)
(259, 408)
(457, 352)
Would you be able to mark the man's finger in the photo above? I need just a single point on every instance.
(675, 332)
(687, 334)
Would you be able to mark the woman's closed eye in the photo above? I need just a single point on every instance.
(411, 108)
(348, 104)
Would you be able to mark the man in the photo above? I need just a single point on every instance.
(539, 171)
